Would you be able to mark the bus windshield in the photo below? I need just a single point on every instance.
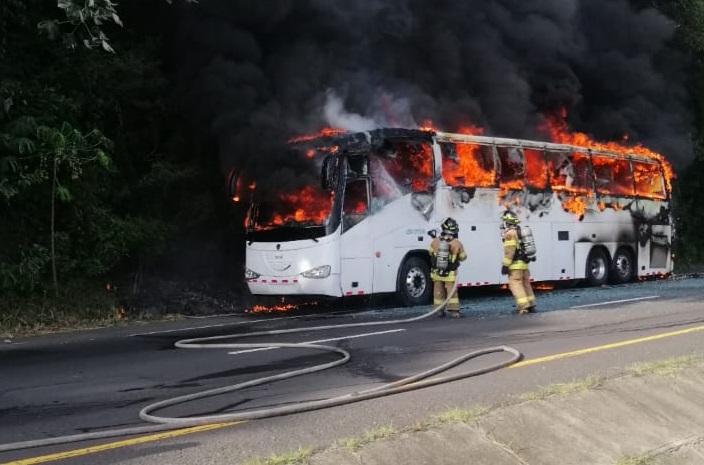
(293, 204)
(301, 208)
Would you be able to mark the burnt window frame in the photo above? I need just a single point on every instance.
(499, 163)
(661, 174)
(493, 156)
(574, 189)
(407, 187)
(619, 159)
(542, 152)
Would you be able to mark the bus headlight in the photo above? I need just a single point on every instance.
(317, 272)
(249, 274)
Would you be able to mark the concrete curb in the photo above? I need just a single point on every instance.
(628, 420)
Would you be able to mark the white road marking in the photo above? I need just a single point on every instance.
(321, 340)
(617, 301)
(212, 326)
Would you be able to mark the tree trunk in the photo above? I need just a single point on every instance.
(53, 233)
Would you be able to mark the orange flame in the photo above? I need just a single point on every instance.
(428, 126)
(273, 308)
(309, 204)
(559, 132)
(238, 190)
(576, 205)
(469, 169)
(325, 132)
(280, 307)
(543, 286)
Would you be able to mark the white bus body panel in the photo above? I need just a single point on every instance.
(280, 265)
(402, 230)
(479, 222)
(356, 274)
(380, 242)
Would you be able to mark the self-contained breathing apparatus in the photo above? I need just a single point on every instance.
(441, 260)
(442, 256)
(527, 250)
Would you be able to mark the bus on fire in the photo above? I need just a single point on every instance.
(598, 213)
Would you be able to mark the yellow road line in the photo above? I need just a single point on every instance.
(589, 350)
(184, 431)
(118, 444)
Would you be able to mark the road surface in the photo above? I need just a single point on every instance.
(98, 380)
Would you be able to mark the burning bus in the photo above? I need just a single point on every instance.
(599, 212)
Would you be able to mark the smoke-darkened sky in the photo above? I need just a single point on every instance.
(253, 72)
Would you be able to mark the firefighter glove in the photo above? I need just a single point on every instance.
(504, 270)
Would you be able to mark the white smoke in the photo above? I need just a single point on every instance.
(337, 117)
(386, 111)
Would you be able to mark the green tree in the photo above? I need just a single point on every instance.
(97, 176)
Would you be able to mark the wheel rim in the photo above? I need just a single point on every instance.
(598, 268)
(622, 265)
(415, 282)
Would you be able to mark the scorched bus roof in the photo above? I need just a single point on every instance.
(353, 143)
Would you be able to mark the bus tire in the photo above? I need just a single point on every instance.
(597, 267)
(414, 284)
(622, 266)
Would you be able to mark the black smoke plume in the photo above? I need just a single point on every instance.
(253, 73)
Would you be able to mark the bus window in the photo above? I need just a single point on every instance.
(512, 166)
(536, 170)
(570, 171)
(467, 165)
(355, 205)
(400, 168)
(648, 180)
(612, 176)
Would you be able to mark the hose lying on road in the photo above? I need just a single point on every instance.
(417, 381)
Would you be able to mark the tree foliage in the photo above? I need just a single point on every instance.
(688, 188)
(83, 142)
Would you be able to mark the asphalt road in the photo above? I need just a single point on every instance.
(99, 380)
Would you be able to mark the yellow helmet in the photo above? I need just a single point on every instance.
(509, 218)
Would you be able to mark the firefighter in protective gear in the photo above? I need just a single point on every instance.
(446, 253)
(515, 265)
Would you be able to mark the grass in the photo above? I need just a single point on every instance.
(297, 457)
(375, 434)
(21, 317)
(665, 367)
(454, 415)
(74, 309)
(643, 459)
(560, 389)
(460, 415)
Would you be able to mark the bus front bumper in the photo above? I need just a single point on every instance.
(295, 285)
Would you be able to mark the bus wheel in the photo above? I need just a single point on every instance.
(414, 284)
(622, 266)
(597, 272)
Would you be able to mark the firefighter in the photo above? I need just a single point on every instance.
(515, 264)
(446, 253)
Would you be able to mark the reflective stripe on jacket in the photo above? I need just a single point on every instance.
(511, 245)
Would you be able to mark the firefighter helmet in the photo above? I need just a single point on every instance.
(509, 218)
(450, 227)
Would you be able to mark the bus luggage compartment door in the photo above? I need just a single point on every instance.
(654, 249)
(560, 253)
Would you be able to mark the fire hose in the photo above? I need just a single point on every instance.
(413, 382)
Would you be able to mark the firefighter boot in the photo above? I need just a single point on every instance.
(454, 313)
